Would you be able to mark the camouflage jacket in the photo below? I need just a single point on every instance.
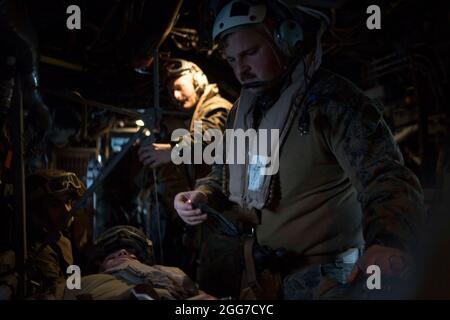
(167, 283)
(212, 110)
(342, 184)
(48, 268)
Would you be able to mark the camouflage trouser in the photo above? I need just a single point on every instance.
(312, 282)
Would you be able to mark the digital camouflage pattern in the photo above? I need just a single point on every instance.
(349, 140)
(48, 268)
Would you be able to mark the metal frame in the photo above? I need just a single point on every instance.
(19, 190)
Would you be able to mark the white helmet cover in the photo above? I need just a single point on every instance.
(237, 13)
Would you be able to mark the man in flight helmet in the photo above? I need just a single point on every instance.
(186, 82)
(189, 88)
(191, 91)
(338, 197)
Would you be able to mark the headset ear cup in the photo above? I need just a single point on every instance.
(204, 80)
(200, 80)
(289, 36)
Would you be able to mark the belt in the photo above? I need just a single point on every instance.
(287, 262)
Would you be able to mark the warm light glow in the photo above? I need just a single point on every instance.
(140, 123)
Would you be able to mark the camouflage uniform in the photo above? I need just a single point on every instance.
(49, 192)
(125, 279)
(343, 184)
(165, 283)
(8, 276)
(48, 269)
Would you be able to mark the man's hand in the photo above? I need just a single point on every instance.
(183, 204)
(390, 260)
(154, 155)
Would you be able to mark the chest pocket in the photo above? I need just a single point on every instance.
(306, 161)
